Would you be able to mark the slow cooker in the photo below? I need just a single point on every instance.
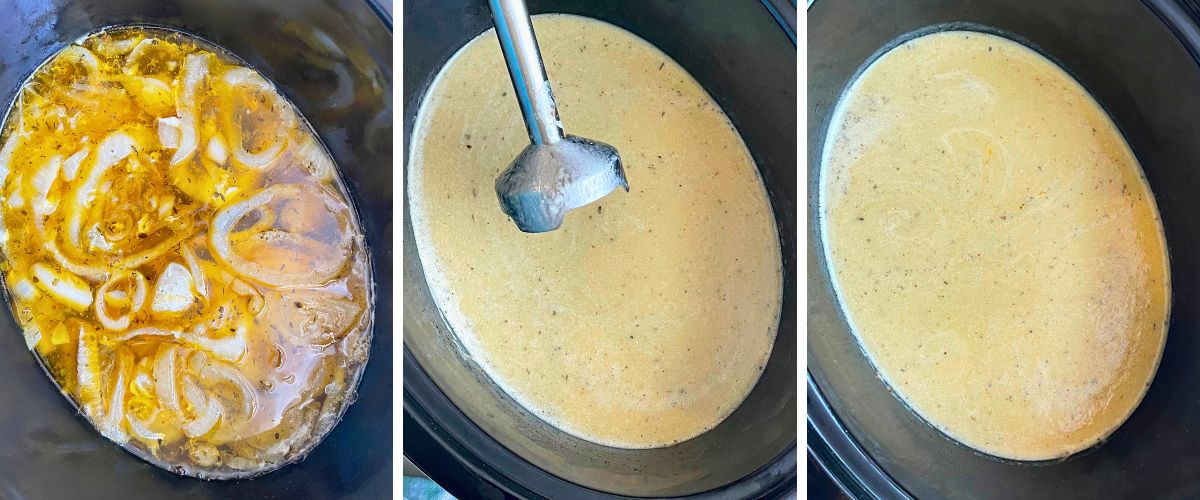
(1139, 60)
(471, 437)
(51, 450)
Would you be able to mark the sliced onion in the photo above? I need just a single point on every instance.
(206, 410)
(216, 151)
(88, 378)
(315, 159)
(230, 348)
(83, 56)
(90, 272)
(140, 258)
(222, 246)
(173, 291)
(70, 166)
(151, 94)
(142, 429)
(14, 200)
(41, 182)
(205, 421)
(112, 149)
(258, 160)
(257, 302)
(137, 52)
(164, 377)
(245, 77)
(114, 48)
(64, 286)
(147, 331)
(24, 289)
(33, 335)
(169, 132)
(143, 382)
(199, 279)
(138, 300)
(96, 239)
(6, 153)
(212, 373)
(111, 426)
(93, 273)
(195, 70)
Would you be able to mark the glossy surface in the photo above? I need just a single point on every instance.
(1129, 57)
(468, 434)
(186, 262)
(299, 46)
(647, 318)
(1002, 263)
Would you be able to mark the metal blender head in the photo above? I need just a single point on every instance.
(556, 172)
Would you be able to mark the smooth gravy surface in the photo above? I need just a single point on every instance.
(648, 317)
(994, 245)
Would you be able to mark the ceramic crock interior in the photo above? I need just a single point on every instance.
(53, 452)
(1129, 58)
(738, 52)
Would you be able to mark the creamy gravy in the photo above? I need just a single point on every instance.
(994, 245)
(648, 317)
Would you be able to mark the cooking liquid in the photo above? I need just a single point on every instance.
(994, 245)
(648, 317)
(216, 353)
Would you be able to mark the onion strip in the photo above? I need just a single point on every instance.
(142, 429)
(164, 377)
(140, 258)
(138, 300)
(207, 409)
(88, 377)
(71, 166)
(112, 149)
(84, 57)
(199, 279)
(111, 426)
(195, 70)
(211, 373)
(230, 348)
(260, 160)
(222, 245)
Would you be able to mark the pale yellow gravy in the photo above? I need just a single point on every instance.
(994, 245)
(648, 317)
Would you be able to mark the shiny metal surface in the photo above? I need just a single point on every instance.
(552, 175)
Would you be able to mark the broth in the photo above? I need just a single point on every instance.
(181, 254)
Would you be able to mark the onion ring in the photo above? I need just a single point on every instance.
(208, 411)
(260, 160)
(221, 244)
(137, 301)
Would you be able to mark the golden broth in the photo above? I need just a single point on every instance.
(181, 254)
